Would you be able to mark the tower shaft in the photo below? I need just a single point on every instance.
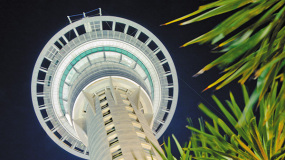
(116, 127)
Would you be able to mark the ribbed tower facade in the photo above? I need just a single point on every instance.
(105, 88)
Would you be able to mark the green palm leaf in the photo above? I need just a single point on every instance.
(260, 138)
(254, 48)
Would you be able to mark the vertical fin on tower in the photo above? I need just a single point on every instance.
(135, 97)
(112, 90)
(80, 125)
(90, 99)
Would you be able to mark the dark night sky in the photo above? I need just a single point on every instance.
(25, 28)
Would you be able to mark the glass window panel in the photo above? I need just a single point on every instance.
(113, 56)
(140, 71)
(65, 105)
(147, 84)
(65, 91)
(83, 63)
(96, 57)
(127, 61)
(70, 75)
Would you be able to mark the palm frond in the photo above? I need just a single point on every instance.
(260, 139)
(256, 47)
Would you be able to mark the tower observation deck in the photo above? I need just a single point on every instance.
(105, 88)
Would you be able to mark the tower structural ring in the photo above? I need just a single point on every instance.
(91, 51)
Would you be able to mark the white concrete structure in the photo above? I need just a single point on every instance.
(104, 88)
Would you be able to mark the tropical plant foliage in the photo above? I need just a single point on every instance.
(252, 40)
(260, 138)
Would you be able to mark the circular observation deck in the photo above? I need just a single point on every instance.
(92, 48)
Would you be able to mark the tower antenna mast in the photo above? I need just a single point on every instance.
(72, 18)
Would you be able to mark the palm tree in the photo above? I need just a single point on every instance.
(260, 138)
(251, 42)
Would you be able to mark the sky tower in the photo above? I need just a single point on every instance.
(104, 87)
